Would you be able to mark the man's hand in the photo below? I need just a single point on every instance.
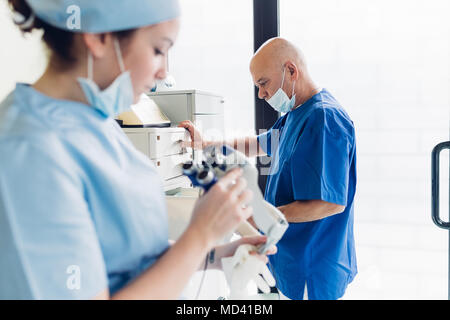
(196, 137)
(252, 222)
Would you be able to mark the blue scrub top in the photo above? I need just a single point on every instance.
(313, 157)
(81, 210)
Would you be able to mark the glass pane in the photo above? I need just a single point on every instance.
(213, 52)
(388, 64)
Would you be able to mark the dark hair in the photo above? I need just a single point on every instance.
(59, 41)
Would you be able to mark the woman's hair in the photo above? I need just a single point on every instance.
(59, 41)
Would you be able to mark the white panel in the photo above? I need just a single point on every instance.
(140, 141)
(211, 126)
(166, 144)
(175, 107)
(206, 104)
(170, 167)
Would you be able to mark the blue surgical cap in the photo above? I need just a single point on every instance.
(97, 16)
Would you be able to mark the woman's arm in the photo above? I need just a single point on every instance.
(228, 250)
(169, 275)
(216, 214)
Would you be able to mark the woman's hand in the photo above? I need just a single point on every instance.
(196, 137)
(228, 250)
(219, 211)
(241, 264)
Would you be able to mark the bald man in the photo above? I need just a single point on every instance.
(312, 177)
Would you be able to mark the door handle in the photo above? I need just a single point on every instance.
(435, 159)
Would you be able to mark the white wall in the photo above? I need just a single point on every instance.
(388, 63)
(212, 54)
(22, 58)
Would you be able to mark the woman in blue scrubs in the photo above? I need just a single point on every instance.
(82, 212)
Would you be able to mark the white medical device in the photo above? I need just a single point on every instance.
(217, 162)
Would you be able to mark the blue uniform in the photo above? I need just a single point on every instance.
(81, 210)
(313, 157)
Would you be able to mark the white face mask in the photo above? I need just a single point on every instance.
(116, 98)
(280, 100)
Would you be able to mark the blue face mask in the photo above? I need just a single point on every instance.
(280, 100)
(116, 98)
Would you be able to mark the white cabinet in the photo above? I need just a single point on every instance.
(163, 147)
(157, 142)
(170, 167)
(204, 109)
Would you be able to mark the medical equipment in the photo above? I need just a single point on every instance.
(243, 267)
(144, 124)
(204, 109)
(218, 161)
(149, 130)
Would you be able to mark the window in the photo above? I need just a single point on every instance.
(212, 54)
(388, 64)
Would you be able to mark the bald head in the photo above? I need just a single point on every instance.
(280, 64)
(275, 52)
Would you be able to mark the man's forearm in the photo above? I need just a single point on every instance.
(310, 210)
(247, 145)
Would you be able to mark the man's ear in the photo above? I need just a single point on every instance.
(294, 72)
(97, 43)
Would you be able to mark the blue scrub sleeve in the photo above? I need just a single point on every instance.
(320, 162)
(48, 243)
(264, 142)
(268, 141)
